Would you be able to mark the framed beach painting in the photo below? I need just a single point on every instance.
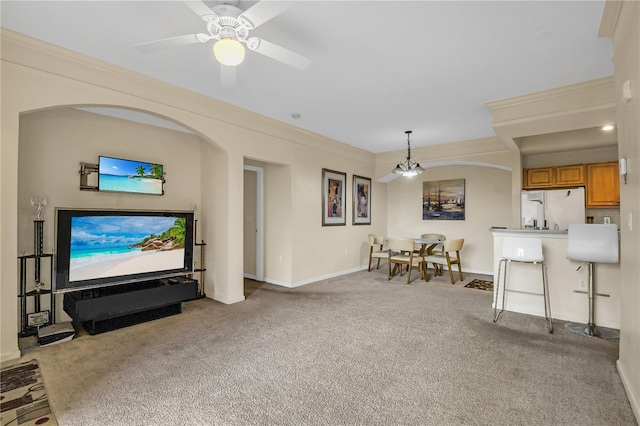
(443, 200)
(333, 197)
(361, 200)
(120, 175)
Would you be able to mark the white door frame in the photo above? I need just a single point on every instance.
(259, 220)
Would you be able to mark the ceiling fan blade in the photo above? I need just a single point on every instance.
(278, 53)
(164, 43)
(227, 76)
(263, 11)
(198, 7)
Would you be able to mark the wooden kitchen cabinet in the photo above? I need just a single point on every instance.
(554, 177)
(603, 185)
(538, 178)
(572, 175)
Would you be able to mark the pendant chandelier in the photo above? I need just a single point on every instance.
(408, 168)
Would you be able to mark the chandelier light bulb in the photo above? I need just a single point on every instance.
(229, 52)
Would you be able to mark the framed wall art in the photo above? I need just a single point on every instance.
(361, 200)
(333, 197)
(443, 200)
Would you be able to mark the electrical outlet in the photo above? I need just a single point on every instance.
(280, 259)
(582, 284)
(346, 252)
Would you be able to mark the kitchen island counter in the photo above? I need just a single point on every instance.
(567, 286)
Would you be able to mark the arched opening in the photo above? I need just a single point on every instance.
(54, 141)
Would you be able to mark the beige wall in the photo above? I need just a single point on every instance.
(52, 144)
(36, 76)
(278, 227)
(581, 156)
(623, 21)
(487, 204)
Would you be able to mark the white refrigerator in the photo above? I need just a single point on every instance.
(557, 208)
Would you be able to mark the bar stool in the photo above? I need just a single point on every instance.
(522, 250)
(590, 243)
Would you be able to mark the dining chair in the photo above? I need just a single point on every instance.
(448, 258)
(434, 237)
(401, 253)
(376, 243)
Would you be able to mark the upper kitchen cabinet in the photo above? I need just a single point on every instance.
(572, 175)
(538, 178)
(554, 177)
(603, 185)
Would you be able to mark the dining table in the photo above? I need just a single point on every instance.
(426, 249)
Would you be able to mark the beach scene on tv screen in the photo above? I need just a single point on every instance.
(112, 246)
(129, 176)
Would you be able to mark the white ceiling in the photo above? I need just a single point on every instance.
(378, 68)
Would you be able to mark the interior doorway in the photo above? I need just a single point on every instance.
(253, 222)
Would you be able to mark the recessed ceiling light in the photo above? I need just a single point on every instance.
(607, 128)
(295, 115)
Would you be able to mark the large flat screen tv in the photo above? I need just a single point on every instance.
(118, 175)
(97, 248)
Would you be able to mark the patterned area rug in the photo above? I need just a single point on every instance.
(23, 397)
(481, 284)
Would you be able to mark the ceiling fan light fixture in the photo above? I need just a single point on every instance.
(229, 52)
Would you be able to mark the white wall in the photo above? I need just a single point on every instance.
(487, 204)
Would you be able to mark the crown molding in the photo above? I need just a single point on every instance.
(610, 17)
(38, 55)
(550, 94)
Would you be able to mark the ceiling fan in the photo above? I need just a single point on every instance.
(231, 28)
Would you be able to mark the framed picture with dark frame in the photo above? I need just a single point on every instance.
(443, 200)
(361, 195)
(333, 198)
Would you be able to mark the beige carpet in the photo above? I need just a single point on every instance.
(354, 350)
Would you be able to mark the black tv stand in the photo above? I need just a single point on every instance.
(109, 308)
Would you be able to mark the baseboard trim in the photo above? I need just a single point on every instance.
(8, 356)
(338, 274)
(634, 400)
(313, 280)
(227, 301)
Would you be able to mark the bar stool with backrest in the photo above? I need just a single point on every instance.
(591, 243)
(522, 250)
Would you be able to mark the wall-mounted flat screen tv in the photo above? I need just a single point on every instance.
(118, 175)
(97, 248)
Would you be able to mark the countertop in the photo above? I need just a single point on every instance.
(560, 233)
